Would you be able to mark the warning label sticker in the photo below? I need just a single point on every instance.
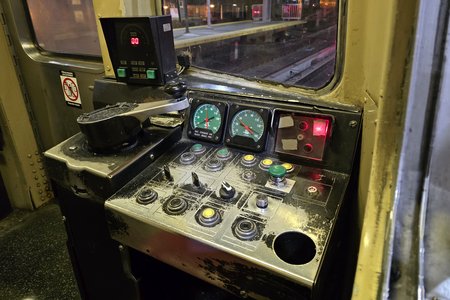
(70, 88)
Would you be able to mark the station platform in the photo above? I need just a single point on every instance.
(204, 34)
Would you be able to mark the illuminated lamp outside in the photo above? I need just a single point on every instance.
(320, 127)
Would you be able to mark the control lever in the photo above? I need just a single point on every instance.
(196, 181)
(114, 125)
(167, 174)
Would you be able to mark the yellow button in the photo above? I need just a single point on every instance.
(249, 157)
(288, 167)
(267, 162)
(208, 213)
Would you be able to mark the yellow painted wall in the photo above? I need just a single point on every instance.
(21, 162)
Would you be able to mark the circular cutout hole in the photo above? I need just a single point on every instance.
(294, 248)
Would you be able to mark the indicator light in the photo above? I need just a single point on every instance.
(320, 127)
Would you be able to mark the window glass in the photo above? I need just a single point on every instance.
(65, 26)
(285, 41)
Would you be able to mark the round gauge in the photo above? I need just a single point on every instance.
(207, 116)
(207, 119)
(247, 123)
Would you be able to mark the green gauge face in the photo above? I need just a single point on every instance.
(207, 116)
(247, 123)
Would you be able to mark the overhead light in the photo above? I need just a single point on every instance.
(234, 4)
(212, 5)
(166, 6)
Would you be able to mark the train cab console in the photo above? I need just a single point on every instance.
(249, 198)
(238, 192)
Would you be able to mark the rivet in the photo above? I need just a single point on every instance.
(29, 155)
(73, 148)
(33, 171)
(36, 152)
(121, 248)
(152, 157)
(31, 163)
(40, 191)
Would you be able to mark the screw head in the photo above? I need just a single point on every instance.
(353, 124)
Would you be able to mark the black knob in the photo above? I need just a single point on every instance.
(195, 180)
(176, 88)
(167, 174)
(226, 191)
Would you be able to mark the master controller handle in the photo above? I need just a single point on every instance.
(113, 125)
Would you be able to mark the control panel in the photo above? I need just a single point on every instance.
(248, 200)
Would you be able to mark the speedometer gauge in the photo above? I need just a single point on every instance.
(207, 120)
(248, 127)
(247, 123)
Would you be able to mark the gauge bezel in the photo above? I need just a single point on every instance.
(199, 133)
(245, 142)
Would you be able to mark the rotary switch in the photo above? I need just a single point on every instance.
(226, 191)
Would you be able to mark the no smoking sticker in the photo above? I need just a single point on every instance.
(70, 88)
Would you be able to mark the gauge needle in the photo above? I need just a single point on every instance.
(206, 121)
(251, 131)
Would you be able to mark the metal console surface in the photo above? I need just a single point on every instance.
(264, 228)
(257, 219)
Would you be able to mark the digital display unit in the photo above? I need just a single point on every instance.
(141, 49)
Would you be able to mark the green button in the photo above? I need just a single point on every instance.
(122, 72)
(151, 74)
(197, 147)
(277, 171)
(223, 152)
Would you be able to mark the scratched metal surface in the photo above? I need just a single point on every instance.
(207, 252)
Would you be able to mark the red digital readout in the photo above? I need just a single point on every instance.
(320, 127)
(134, 41)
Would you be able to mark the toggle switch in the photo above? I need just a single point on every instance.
(167, 173)
(195, 181)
